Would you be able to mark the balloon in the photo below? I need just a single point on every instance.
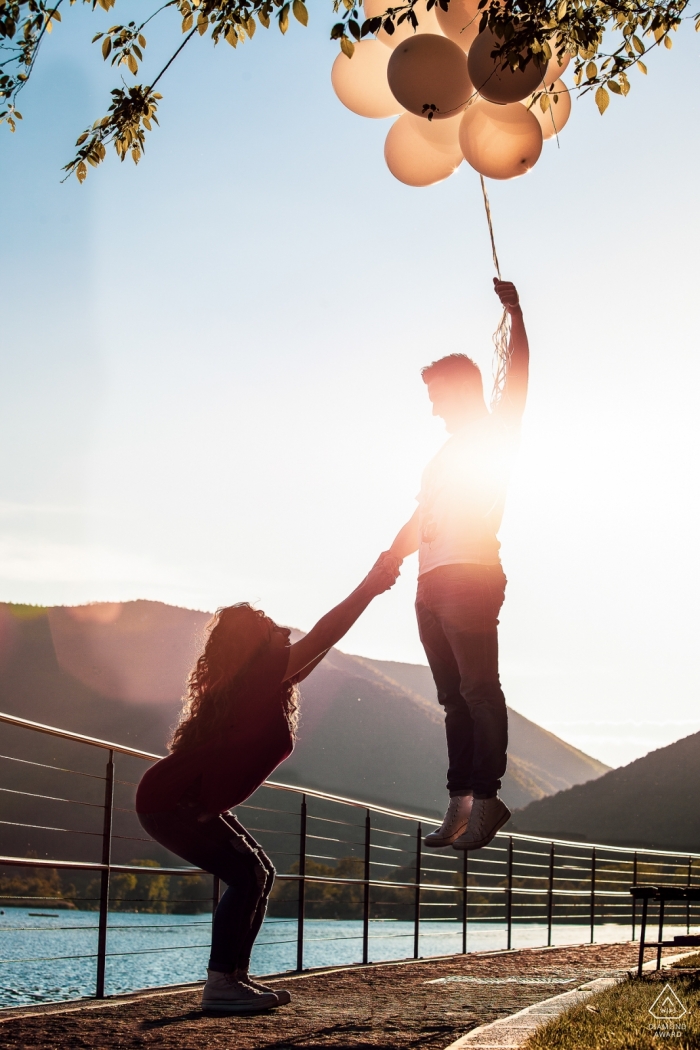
(501, 142)
(557, 63)
(555, 116)
(360, 82)
(427, 21)
(411, 159)
(495, 83)
(442, 135)
(428, 75)
(460, 22)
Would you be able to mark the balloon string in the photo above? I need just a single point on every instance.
(501, 337)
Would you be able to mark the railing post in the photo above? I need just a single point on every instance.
(687, 903)
(215, 895)
(104, 880)
(509, 893)
(365, 911)
(302, 885)
(465, 902)
(634, 899)
(416, 905)
(592, 894)
(550, 896)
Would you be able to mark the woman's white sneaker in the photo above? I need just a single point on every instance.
(282, 994)
(224, 993)
(455, 822)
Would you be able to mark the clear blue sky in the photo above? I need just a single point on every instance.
(210, 365)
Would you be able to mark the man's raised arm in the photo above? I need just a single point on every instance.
(512, 404)
(407, 539)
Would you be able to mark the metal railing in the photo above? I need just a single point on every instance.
(334, 862)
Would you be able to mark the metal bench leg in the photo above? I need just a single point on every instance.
(661, 933)
(642, 936)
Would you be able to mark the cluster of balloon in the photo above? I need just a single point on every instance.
(453, 100)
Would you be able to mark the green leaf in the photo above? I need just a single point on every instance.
(642, 67)
(602, 100)
(638, 45)
(561, 11)
(591, 70)
(614, 87)
(300, 12)
(668, 42)
(347, 47)
(106, 47)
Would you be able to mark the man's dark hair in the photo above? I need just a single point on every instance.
(455, 367)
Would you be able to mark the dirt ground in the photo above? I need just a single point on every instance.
(392, 1006)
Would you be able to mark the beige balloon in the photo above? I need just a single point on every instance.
(412, 160)
(554, 117)
(427, 21)
(442, 135)
(557, 63)
(500, 142)
(429, 77)
(361, 84)
(460, 22)
(495, 83)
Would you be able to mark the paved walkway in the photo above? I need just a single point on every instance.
(422, 1005)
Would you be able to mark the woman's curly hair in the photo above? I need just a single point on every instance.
(236, 634)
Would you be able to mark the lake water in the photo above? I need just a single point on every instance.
(49, 957)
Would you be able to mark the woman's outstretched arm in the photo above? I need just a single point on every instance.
(306, 653)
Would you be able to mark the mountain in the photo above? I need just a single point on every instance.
(652, 802)
(370, 729)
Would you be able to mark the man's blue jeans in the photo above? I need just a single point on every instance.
(457, 608)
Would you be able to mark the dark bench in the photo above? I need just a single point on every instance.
(662, 894)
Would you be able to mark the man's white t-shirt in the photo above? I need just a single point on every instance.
(462, 496)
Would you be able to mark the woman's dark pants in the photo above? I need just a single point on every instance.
(457, 608)
(223, 847)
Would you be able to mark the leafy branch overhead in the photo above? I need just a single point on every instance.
(605, 39)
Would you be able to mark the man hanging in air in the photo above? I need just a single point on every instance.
(461, 584)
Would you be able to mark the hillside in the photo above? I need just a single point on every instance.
(371, 729)
(652, 802)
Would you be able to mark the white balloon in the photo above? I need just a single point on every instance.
(428, 75)
(554, 117)
(361, 83)
(440, 134)
(412, 160)
(460, 22)
(557, 63)
(427, 21)
(500, 142)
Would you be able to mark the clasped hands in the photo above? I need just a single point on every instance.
(384, 573)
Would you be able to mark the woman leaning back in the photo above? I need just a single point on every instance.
(237, 724)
